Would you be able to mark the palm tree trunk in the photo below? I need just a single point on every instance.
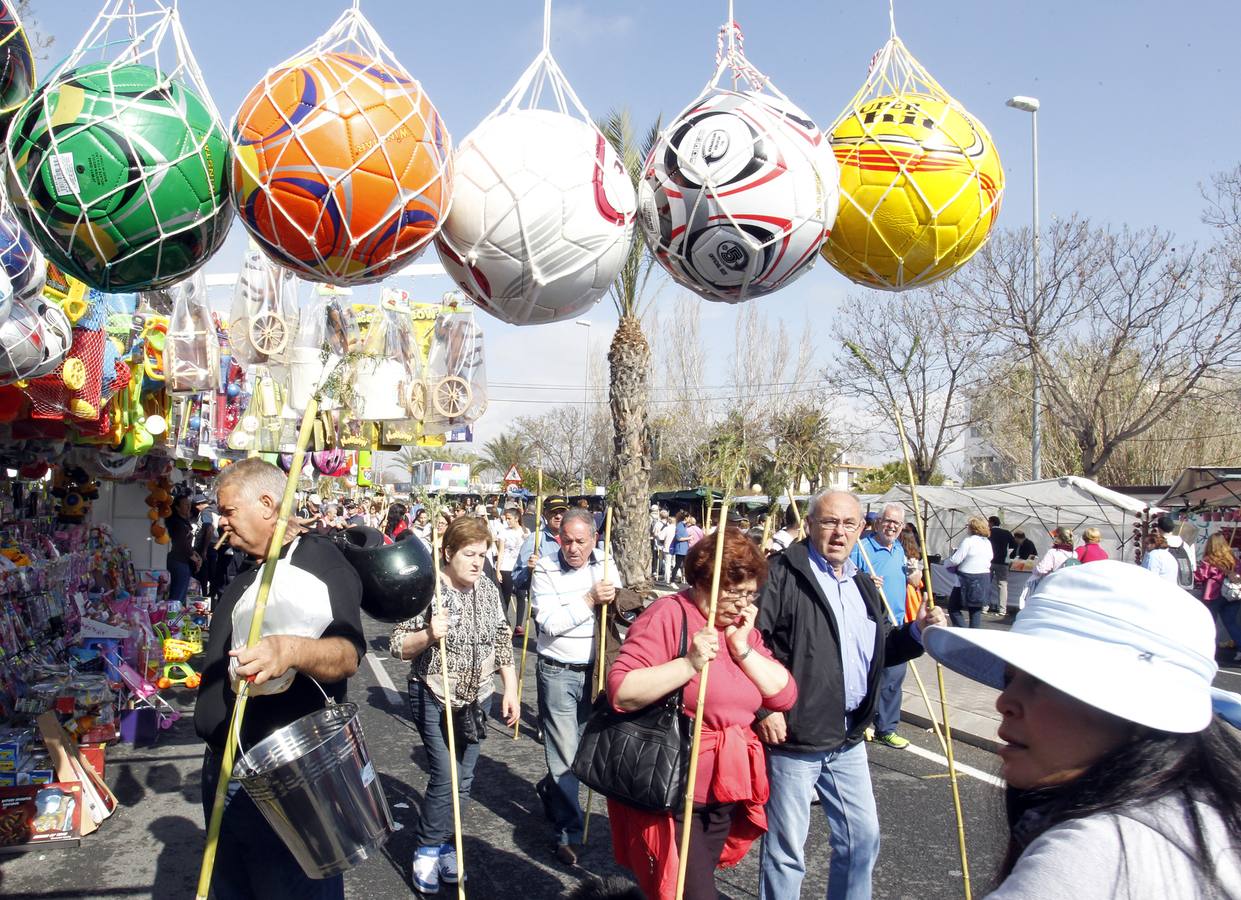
(630, 360)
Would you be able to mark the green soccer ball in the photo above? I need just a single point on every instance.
(120, 176)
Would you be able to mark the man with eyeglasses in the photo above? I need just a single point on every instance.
(879, 553)
(826, 622)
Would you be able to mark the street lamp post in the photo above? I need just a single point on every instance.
(585, 398)
(1031, 105)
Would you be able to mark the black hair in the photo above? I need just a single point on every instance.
(1204, 766)
(611, 888)
(396, 512)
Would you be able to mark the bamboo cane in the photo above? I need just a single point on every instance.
(449, 729)
(256, 630)
(930, 600)
(600, 653)
(525, 631)
(766, 534)
(688, 810)
(917, 676)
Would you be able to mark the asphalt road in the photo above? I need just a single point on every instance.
(152, 845)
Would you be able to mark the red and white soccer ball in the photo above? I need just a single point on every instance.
(738, 194)
(542, 217)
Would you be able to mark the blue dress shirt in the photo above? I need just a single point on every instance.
(857, 629)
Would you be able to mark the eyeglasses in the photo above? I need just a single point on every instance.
(830, 524)
(748, 596)
(893, 523)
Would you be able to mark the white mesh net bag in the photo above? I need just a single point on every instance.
(116, 164)
(740, 188)
(542, 215)
(920, 177)
(341, 165)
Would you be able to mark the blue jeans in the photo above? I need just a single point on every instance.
(842, 781)
(435, 816)
(251, 861)
(888, 708)
(1230, 616)
(178, 580)
(564, 706)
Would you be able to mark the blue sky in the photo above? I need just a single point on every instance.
(1132, 117)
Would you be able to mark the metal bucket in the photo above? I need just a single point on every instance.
(315, 783)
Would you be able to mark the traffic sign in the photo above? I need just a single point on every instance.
(513, 476)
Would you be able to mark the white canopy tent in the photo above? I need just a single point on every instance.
(1205, 487)
(1035, 507)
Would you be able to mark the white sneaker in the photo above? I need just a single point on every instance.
(427, 870)
(448, 864)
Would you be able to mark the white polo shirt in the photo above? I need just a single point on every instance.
(566, 621)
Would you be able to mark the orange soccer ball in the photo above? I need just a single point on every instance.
(341, 168)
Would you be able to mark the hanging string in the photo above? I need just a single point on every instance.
(730, 50)
(547, 25)
(892, 17)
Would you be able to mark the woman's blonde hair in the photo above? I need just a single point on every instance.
(1219, 553)
(1063, 535)
(1092, 535)
(978, 525)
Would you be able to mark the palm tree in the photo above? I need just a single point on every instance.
(502, 453)
(629, 359)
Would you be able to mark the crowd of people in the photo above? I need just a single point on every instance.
(1121, 779)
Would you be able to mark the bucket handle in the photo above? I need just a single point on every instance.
(329, 703)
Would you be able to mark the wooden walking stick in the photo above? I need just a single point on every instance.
(449, 728)
(256, 631)
(525, 631)
(600, 653)
(930, 602)
(687, 812)
(917, 677)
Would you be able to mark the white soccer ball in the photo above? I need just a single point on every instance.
(542, 216)
(738, 194)
(34, 340)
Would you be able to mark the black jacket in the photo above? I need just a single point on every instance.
(799, 627)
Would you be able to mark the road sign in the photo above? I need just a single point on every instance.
(513, 476)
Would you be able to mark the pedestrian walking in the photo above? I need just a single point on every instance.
(680, 547)
(825, 621)
(471, 619)
(971, 562)
(731, 787)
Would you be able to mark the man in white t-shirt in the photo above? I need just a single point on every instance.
(1181, 551)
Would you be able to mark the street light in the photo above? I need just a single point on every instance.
(1030, 105)
(585, 398)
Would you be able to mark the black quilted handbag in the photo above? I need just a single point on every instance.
(639, 758)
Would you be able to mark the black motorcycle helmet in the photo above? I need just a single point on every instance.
(398, 580)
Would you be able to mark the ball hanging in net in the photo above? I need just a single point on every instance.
(117, 173)
(921, 181)
(341, 168)
(17, 77)
(20, 258)
(542, 216)
(738, 194)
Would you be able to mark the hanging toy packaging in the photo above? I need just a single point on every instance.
(740, 189)
(264, 316)
(921, 178)
(456, 372)
(326, 335)
(129, 105)
(543, 209)
(341, 164)
(387, 368)
(191, 350)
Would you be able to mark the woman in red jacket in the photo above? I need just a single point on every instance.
(1090, 551)
(731, 786)
(1216, 565)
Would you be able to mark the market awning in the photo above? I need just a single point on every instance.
(1205, 487)
(1034, 506)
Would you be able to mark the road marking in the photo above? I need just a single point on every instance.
(961, 767)
(385, 681)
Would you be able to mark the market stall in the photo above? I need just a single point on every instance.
(1208, 498)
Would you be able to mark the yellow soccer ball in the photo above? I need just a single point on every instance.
(921, 184)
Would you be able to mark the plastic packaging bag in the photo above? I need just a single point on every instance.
(191, 348)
